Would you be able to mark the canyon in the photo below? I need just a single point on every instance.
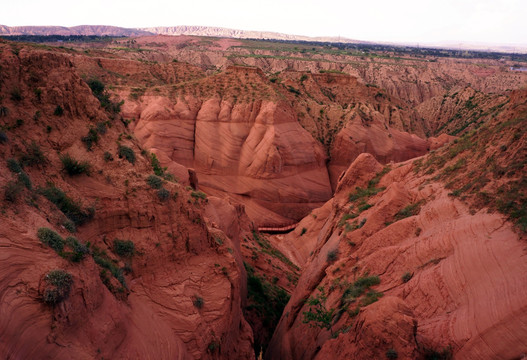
(217, 198)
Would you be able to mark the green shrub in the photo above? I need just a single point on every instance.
(105, 263)
(16, 94)
(345, 218)
(154, 182)
(407, 211)
(14, 166)
(124, 248)
(163, 194)
(213, 346)
(444, 354)
(156, 165)
(79, 250)
(108, 156)
(11, 191)
(98, 90)
(68, 206)
(358, 288)
(198, 301)
(364, 207)
(362, 193)
(24, 179)
(318, 315)
(38, 93)
(4, 111)
(101, 128)
(127, 153)
(59, 111)
(371, 297)
(198, 195)
(70, 226)
(51, 239)
(406, 277)
(303, 231)
(332, 255)
(74, 167)
(18, 123)
(33, 155)
(96, 86)
(60, 282)
(362, 222)
(391, 354)
(293, 90)
(267, 300)
(91, 138)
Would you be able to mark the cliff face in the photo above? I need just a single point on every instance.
(253, 150)
(178, 294)
(249, 143)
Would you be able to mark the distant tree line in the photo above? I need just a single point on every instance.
(398, 50)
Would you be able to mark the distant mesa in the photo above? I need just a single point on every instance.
(87, 30)
(104, 30)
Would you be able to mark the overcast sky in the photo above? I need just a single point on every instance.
(409, 21)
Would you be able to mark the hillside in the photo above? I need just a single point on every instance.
(402, 266)
(80, 196)
(209, 198)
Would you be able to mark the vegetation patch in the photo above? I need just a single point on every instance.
(198, 195)
(198, 301)
(409, 210)
(156, 166)
(354, 294)
(504, 165)
(59, 111)
(163, 194)
(154, 182)
(91, 138)
(79, 250)
(266, 299)
(12, 191)
(317, 314)
(51, 239)
(99, 91)
(57, 243)
(69, 207)
(332, 255)
(512, 201)
(433, 354)
(372, 188)
(59, 284)
(406, 277)
(124, 248)
(33, 156)
(74, 167)
(107, 265)
(127, 153)
(267, 248)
